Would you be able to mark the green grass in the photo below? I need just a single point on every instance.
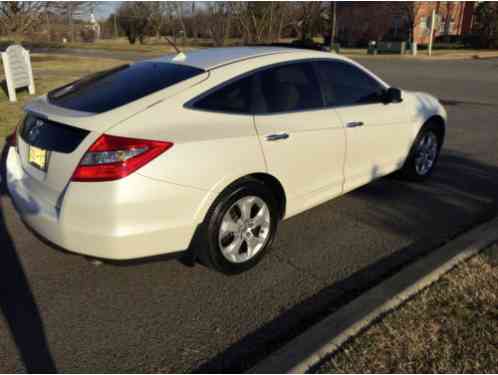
(50, 71)
(451, 327)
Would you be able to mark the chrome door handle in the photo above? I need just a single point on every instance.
(354, 124)
(277, 137)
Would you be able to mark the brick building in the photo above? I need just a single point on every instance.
(358, 23)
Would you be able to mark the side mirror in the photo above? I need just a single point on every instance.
(392, 95)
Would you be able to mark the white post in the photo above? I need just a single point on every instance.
(433, 20)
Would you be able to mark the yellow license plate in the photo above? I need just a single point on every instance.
(37, 157)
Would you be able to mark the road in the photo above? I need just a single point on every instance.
(164, 316)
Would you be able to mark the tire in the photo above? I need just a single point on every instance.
(424, 154)
(234, 241)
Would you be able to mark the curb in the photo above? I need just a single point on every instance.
(326, 337)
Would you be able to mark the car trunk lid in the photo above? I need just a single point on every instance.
(51, 140)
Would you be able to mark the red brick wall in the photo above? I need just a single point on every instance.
(376, 20)
(458, 11)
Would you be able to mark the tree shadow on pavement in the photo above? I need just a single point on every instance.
(17, 302)
(396, 205)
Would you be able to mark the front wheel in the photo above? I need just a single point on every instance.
(240, 227)
(424, 155)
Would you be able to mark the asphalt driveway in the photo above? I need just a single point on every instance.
(165, 316)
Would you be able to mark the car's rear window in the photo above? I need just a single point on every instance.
(114, 88)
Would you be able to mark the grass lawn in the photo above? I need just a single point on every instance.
(50, 71)
(450, 327)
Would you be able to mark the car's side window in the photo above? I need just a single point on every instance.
(287, 88)
(344, 84)
(235, 97)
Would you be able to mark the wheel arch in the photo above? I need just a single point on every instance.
(269, 180)
(439, 125)
(276, 187)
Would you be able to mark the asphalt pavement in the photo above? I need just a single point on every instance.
(57, 309)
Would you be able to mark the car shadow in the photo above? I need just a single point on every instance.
(17, 302)
(476, 183)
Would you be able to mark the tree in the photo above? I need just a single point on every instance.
(72, 10)
(158, 17)
(135, 18)
(486, 24)
(333, 19)
(411, 10)
(219, 21)
(260, 22)
(18, 17)
(309, 17)
(177, 11)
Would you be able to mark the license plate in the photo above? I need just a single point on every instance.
(37, 157)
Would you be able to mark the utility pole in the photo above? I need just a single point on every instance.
(431, 36)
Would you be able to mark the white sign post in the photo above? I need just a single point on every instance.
(18, 71)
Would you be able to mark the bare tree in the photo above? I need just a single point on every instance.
(178, 13)
(308, 16)
(72, 10)
(486, 25)
(135, 17)
(158, 16)
(411, 10)
(333, 18)
(260, 21)
(219, 17)
(18, 17)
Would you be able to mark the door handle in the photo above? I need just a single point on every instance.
(354, 124)
(277, 137)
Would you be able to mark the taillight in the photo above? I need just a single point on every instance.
(12, 138)
(111, 158)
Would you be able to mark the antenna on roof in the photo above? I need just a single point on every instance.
(172, 44)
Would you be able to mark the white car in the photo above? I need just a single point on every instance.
(207, 151)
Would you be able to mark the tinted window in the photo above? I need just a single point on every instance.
(107, 90)
(287, 88)
(345, 84)
(234, 97)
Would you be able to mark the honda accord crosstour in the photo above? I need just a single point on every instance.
(207, 151)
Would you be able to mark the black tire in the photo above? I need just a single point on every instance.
(409, 171)
(209, 251)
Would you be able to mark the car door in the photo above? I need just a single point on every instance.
(378, 134)
(303, 142)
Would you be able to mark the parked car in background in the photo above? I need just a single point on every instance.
(210, 150)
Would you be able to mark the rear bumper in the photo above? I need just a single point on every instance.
(131, 218)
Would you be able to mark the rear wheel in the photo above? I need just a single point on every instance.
(239, 227)
(424, 155)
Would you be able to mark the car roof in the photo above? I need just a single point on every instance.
(210, 58)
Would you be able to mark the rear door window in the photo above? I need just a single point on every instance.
(288, 88)
(114, 88)
(235, 97)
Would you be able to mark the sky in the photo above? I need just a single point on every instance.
(105, 8)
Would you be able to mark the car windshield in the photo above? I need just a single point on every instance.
(114, 88)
